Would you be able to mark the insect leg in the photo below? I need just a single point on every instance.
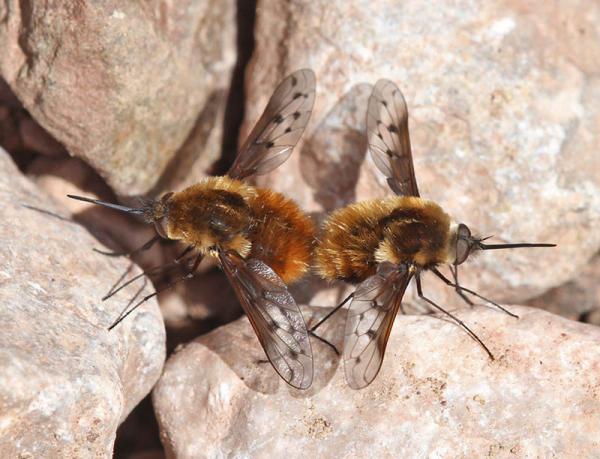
(323, 340)
(332, 312)
(189, 275)
(460, 289)
(117, 287)
(147, 245)
(135, 296)
(451, 316)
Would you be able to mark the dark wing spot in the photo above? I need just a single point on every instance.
(384, 103)
(294, 81)
(371, 333)
(289, 129)
(297, 95)
(296, 115)
(294, 353)
(278, 119)
(392, 128)
(389, 152)
(269, 144)
(357, 359)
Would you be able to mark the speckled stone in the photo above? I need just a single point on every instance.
(121, 83)
(66, 382)
(437, 395)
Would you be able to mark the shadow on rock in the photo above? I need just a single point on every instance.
(331, 158)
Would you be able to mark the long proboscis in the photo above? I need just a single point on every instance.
(130, 210)
(513, 246)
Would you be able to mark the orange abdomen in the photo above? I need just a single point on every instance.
(281, 234)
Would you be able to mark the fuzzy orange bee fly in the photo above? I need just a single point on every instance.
(261, 239)
(382, 244)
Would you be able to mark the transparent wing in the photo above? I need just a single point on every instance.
(273, 138)
(275, 317)
(369, 323)
(389, 142)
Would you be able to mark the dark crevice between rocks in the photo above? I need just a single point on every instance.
(139, 432)
(234, 110)
(12, 113)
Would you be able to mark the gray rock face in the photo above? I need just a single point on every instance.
(119, 83)
(65, 381)
(504, 119)
(437, 395)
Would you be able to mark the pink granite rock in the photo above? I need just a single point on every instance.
(119, 83)
(437, 395)
(66, 382)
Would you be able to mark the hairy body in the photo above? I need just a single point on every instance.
(227, 214)
(398, 229)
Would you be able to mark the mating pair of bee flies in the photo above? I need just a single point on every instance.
(263, 241)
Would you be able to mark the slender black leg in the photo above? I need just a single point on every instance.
(135, 296)
(460, 289)
(117, 287)
(457, 289)
(189, 275)
(454, 318)
(147, 245)
(332, 312)
(323, 340)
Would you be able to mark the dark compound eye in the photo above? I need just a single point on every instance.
(463, 244)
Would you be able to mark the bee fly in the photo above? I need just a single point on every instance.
(382, 244)
(261, 239)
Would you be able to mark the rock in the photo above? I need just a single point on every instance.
(578, 298)
(35, 138)
(197, 306)
(117, 231)
(65, 381)
(504, 117)
(120, 84)
(10, 138)
(437, 395)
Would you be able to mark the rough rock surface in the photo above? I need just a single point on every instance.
(118, 231)
(578, 298)
(119, 83)
(437, 395)
(65, 381)
(504, 102)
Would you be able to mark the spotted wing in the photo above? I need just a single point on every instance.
(369, 323)
(273, 138)
(389, 142)
(275, 317)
